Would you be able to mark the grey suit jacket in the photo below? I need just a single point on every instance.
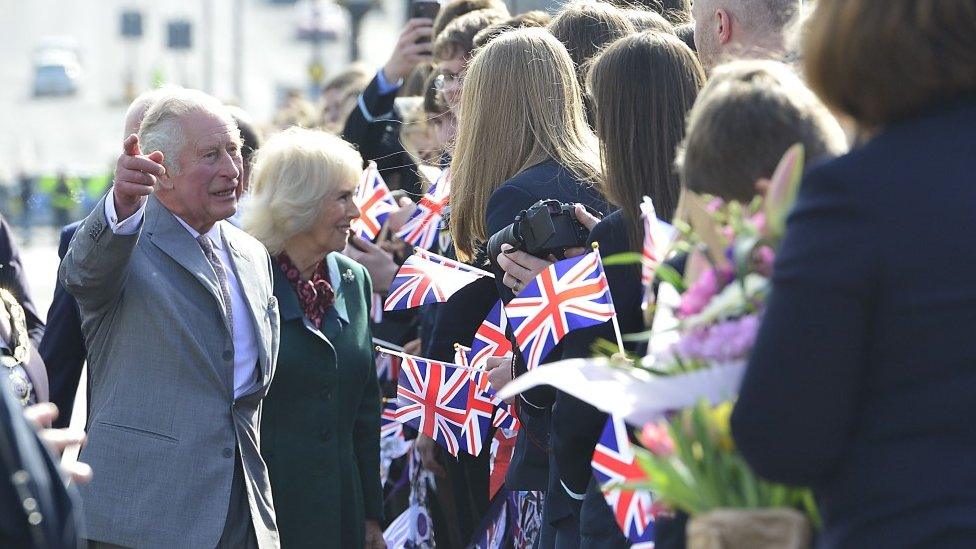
(164, 422)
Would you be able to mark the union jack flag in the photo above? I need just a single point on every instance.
(481, 409)
(485, 409)
(490, 339)
(614, 463)
(422, 228)
(389, 426)
(502, 447)
(387, 364)
(505, 418)
(433, 399)
(568, 295)
(375, 203)
(426, 277)
(658, 237)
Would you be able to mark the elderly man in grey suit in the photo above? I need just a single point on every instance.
(182, 333)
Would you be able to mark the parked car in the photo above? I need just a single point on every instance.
(56, 73)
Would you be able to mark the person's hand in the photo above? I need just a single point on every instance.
(135, 177)
(520, 267)
(374, 536)
(408, 53)
(41, 416)
(589, 221)
(428, 451)
(397, 219)
(499, 371)
(413, 347)
(378, 262)
(586, 218)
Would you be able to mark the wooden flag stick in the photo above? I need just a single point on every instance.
(405, 355)
(616, 325)
(462, 266)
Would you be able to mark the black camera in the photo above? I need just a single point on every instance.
(548, 227)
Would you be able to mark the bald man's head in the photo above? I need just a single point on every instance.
(732, 29)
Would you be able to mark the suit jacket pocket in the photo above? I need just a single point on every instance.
(139, 432)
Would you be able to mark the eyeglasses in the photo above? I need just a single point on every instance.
(443, 79)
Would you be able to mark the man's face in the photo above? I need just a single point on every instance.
(452, 70)
(706, 41)
(209, 183)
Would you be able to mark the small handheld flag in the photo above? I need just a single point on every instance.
(568, 295)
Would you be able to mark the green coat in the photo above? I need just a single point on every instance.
(320, 432)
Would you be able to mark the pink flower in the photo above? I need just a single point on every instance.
(759, 222)
(701, 292)
(764, 257)
(656, 438)
(715, 205)
(722, 342)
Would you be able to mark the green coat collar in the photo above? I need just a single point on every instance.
(337, 318)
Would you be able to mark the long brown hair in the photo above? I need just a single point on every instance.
(643, 86)
(520, 106)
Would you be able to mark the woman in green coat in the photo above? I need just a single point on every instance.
(320, 426)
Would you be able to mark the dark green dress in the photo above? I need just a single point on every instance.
(320, 429)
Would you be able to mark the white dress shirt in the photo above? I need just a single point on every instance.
(245, 341)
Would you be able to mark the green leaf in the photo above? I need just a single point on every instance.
(667, 273)
(623, 258)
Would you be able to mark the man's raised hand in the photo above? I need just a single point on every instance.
(135, 177)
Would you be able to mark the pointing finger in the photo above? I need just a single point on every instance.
(131, 145)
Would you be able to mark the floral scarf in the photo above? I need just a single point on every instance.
(315, 295)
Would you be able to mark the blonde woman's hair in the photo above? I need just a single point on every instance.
(292, 175)
(520, 105)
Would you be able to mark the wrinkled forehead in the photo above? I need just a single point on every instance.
(205, 128)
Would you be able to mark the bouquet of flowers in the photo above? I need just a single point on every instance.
(689, 457)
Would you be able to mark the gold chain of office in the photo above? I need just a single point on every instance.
(19, 345)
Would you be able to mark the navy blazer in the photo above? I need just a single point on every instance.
(862, 383)
(63, 347)
(529, 469)
(374, 128)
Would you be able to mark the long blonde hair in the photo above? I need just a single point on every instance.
(520, 105)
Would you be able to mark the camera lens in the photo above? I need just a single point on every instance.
(509, 235)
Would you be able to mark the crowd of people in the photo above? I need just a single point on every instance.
(228, 312)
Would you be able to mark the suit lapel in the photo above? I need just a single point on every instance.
(248, 277)
(336, 317)
(174, 240)
(290, 309)
(167, 234)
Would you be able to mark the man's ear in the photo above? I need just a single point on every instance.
(723, 22)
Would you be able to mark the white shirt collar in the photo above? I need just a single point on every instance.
(213, 234)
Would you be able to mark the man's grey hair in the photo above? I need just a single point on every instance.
(140, 105)
(162, 127)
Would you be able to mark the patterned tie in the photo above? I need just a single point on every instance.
(221, 277)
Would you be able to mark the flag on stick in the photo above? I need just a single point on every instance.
(614, 464)
(568, 295)
(375, 203)
(426, 277)
(422, 228)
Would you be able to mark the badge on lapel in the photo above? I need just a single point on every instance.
(348, 276)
